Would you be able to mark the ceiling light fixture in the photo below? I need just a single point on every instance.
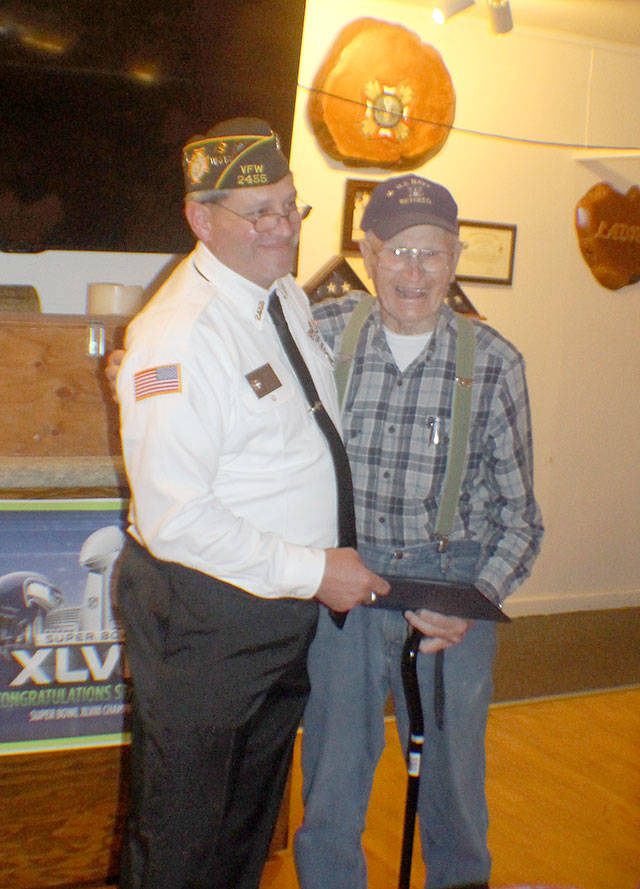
(446, 8)
(500, 16)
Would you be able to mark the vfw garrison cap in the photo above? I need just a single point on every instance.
(403, 201)
(239, 153)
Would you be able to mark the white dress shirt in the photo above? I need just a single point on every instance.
(237, 486)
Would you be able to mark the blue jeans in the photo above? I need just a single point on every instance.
(352, 671)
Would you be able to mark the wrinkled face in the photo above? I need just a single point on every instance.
(409, 290)
(260, 257)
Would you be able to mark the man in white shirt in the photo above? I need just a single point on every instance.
(233, 525)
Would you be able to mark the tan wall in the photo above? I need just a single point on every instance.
(579, 339)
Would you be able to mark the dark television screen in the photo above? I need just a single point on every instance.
(97, 100)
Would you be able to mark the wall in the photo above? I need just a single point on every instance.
(61, 277)
(579, 339)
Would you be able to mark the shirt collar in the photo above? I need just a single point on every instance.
(445, 317)
(246, 298)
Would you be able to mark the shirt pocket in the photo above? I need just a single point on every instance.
(427, 459)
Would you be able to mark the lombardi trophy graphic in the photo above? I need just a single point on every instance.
(98, 555)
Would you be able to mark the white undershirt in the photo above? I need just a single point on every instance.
(405, 348)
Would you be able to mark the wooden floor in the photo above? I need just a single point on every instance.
(563, 783)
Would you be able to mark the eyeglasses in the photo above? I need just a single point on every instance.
(264, 222)
(400, 258)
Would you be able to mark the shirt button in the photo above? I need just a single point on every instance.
(392, 429)
(386, 474)
(398, 555)
(399, 383)
(381, 519)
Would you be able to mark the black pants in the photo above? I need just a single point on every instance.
(219, 682)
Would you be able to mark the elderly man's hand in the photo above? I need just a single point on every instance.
(111, 370)
(440, 631)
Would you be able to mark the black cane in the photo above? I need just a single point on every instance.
(414, 751)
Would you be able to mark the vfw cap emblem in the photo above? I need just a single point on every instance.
(198, 164)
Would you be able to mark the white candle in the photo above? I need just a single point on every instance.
(114, 299)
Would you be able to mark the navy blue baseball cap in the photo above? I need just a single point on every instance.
(403, 201)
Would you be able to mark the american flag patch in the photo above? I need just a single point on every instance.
(156, 381)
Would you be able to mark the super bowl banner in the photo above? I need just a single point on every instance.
(62, 680)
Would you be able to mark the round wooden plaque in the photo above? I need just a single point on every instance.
(382, 97)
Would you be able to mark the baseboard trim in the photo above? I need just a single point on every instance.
(559, 603)
(564, 696)
(556, 654)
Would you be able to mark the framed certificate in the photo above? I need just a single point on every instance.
(488, 253)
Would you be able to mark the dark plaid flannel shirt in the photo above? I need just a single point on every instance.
(399, 465)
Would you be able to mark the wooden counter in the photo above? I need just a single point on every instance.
(54, 399)
(58, 422)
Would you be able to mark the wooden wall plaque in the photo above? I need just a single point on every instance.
(382, 97)
(608, 228)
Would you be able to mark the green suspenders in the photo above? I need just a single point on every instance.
(460, 420)
(350, 337)
(461, 411)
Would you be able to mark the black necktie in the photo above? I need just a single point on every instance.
(344, 483)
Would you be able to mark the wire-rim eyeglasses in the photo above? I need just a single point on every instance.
(264, 222)
(399, 258)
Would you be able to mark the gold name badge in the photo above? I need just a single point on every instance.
(263, 380)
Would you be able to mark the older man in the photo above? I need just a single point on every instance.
(234, 522)
(397, 422)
